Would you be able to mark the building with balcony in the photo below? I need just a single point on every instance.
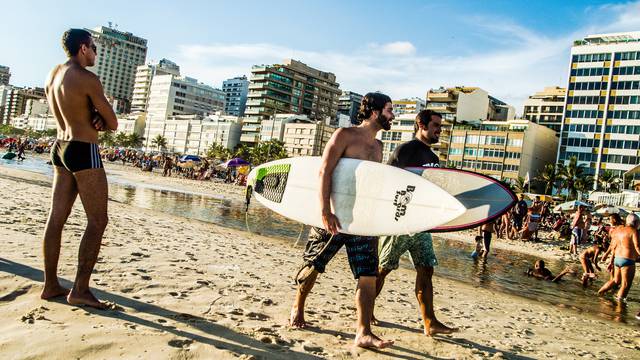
(461, 105)
(401, 131)
(290, 87)
(119, 54)
(546, 107)
(348, 105)
(194, 134)
(408, 106)
(35, 107)
(235, 91)
(144, 78)
(306, 138)
(273, 129)
(15, 101)
(5, 75)
(504, 150)
(601, 121)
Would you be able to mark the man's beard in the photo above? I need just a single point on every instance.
(384, 122)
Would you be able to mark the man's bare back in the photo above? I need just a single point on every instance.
(73, 94)
(625, 239)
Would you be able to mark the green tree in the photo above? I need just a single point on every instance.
(106, 138)
(574, 179)
(548, 177)
(134, 140)
(160, 142)
(267, 151)
(609, 182)
(242, 151)
(519, 186)
(121, 139)
(217, 151)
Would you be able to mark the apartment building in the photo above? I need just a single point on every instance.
(273, 129)
(144, 78)
(546, 107)
(306, 138)
(464, 104)
(235, 91)
(290, 87)
(401, 131)
(171, 95)
(194, 134)
(601, 121)
(15, 101)
(504, 150)
(119, 54)
(5, 75)
(408, 106)
(348, 105)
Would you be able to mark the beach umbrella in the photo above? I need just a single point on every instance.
(570, 206)
(608, 210)
(236, 162)
(190, 158)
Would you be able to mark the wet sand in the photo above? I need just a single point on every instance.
(181, 288)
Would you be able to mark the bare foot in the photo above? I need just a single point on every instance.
(371, 341)
(85, 299)
(437, 327)
(50, 292)
(297, 319)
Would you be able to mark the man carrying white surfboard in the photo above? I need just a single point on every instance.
(359, 142)
(416, 153)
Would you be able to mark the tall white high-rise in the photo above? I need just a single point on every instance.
(119, 55)
(144, 77)
(601, 122)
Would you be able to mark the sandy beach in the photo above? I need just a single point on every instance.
(185, 289)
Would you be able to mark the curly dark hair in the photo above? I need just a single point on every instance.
(73, 38)
(371, 102)
(424, 117)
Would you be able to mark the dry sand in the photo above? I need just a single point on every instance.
(186, 289)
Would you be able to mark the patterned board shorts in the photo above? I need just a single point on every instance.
(419, 246)
(362, 251)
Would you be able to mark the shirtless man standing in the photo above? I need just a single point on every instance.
(626, 249)
(577, 227)
(77, 100)
(376, 113)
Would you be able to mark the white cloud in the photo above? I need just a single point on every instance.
(527, 63)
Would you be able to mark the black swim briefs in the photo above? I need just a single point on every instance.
(362, 251)
(76, 155)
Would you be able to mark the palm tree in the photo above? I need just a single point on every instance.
(574, 179)
(134, 140)
(217, 151)
(243, 151)
(121, 139)
(160, 142)
(548, 177)
(106, 138)
(608, 181)
(519, 185)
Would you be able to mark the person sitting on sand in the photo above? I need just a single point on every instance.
(626, 250)
(541, 272)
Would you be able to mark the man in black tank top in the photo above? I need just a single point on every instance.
(416, 153)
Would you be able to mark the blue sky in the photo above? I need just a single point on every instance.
(403, 48)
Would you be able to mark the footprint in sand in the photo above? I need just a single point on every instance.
(34, 314)
(180, 343)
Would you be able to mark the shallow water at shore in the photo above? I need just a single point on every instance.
(502, 272)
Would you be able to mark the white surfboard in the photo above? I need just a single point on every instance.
(484, 197)
(368, 198)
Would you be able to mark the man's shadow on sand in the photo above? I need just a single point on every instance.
(243, 345)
